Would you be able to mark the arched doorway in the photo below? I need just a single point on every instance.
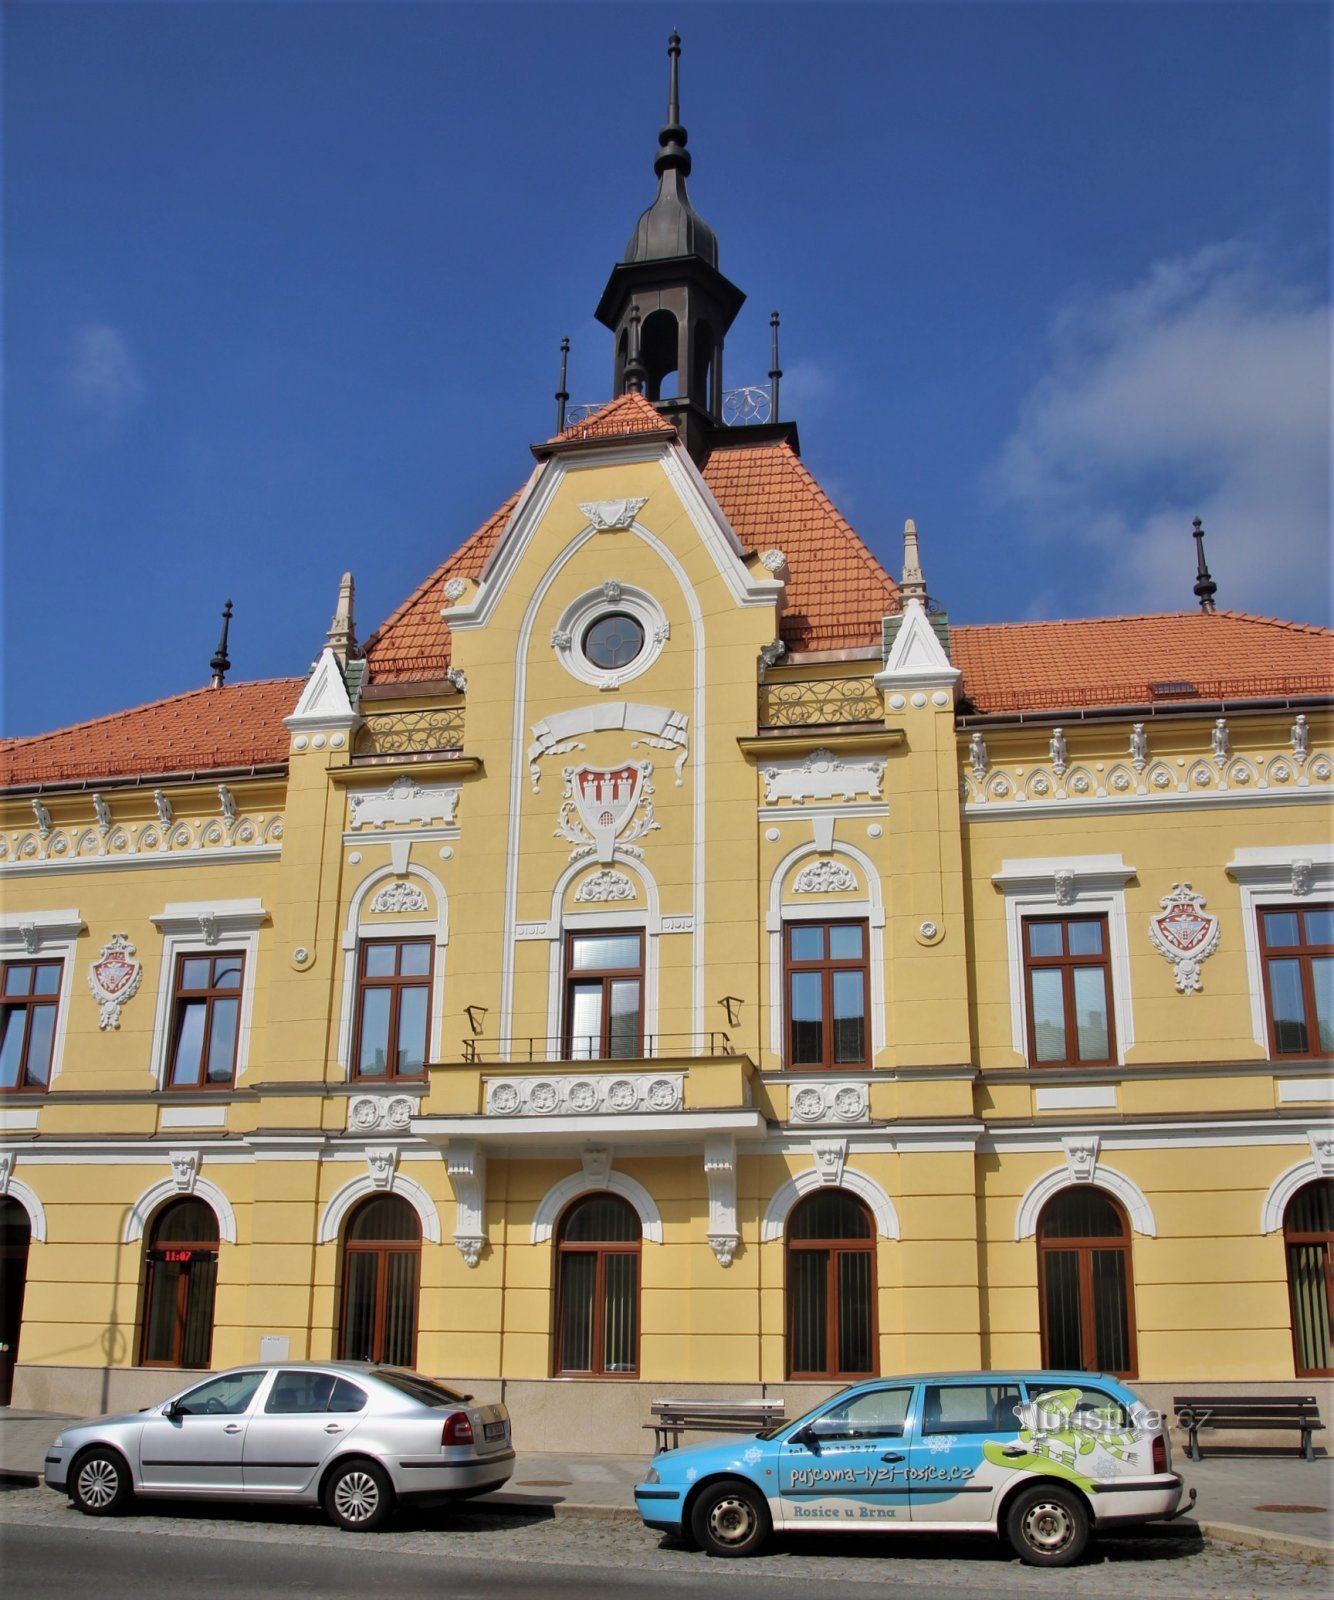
(382, 1246)
(180, 1279)
(1085, 1284)
(1308, 1238)
(598, 1247)
(15, 1237)
(831, 1288)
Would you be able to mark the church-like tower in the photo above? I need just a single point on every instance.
(666, 302)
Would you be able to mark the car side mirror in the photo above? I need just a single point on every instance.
(806, 1436)
(172, 1408)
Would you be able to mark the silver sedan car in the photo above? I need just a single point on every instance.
(348, 1436)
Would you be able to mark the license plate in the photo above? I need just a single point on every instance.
(493, 1430)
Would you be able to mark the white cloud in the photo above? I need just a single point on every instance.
(1201, 391)
(100, 377)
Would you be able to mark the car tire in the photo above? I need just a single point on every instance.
(99, 1482)
(1047, 1525)
(358, 1496)
(730, 1519)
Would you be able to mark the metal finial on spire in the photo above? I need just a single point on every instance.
(1205, 587)
(220, 664)
(672, 136)
(635, 371)
(775, 371)
(913, 583)
(562, 394)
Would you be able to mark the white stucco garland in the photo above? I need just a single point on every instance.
(1133, 1199)
(361, 1188)
(554, 1201)
(169, 1189)
(808, 1181)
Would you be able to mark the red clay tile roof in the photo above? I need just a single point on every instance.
(414, 644)
(628, 413)
(1113, 661)
(837, 592)
(206, 730)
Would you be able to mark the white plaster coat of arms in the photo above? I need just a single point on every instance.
(114, 978)
(1185, 934)
(599, 805)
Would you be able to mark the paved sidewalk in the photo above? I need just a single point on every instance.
(1265, 1499)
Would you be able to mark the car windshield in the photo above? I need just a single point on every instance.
(775, 1428)
(426, 1390)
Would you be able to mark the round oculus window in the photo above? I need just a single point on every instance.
(613, 641)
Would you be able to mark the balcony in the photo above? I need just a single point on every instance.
(813, 702)
(394, 736)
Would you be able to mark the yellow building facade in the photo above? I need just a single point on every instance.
(668, 957)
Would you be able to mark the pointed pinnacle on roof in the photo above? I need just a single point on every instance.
(342, 636)
(672, 136)
(220, 665)
(912, 586)
(1205, 587)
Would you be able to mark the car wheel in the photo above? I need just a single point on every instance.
(1048, 1526)
(99, 1483)
(730, 1519)
(358, 1496)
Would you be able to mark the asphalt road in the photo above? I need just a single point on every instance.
(48, 1549)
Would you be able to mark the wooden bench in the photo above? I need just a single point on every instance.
(1194, 1412)
(671, 1418)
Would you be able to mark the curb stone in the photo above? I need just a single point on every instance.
(1317, 1551)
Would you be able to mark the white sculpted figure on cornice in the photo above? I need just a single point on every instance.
(977, 756)
(1185, 934)
(610, 516)
(825, 877)
(822, 776)
(1299, 737)
(604, 809)
(400, 896)
(606, 885)
(114, 978)
(1058, 752)
(1220, 741)
(1139, 747)
(405, 801)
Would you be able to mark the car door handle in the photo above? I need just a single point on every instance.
(232, 1427)
(893, 1458)
(333, 1427)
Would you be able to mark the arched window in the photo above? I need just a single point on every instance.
(1308, 1234)
(15, 1235)
(597, 1287)
(1085, 1284)
(382, 1247)
(830, 1287)
(181, 1275)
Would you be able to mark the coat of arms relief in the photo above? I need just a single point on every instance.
(605, 809)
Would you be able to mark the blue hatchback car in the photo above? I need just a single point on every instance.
(1042, 1458)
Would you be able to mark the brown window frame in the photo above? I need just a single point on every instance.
(27, 1004)
(396, 984)
(1067, 965)
(1304, 954)
(155, 1256)
(182, 999)
(381, 1249)
(1084, 1246)
(834, 1248)
(601, 1249)
(606, 976)
(827, 967)
(1294, 1236)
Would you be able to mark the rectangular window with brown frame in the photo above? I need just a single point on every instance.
(205, 1020)
(827, 988)
(1297, 954)
(29, 1004)
(604, 996)
(393, 1008)
(1068, 986)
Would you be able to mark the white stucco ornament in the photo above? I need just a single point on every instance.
(114, 978)
(609, 516)
(1185, 934)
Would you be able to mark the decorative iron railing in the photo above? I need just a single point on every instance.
(584, 1049)
(402, 734)
(751, 404)
(819, 702)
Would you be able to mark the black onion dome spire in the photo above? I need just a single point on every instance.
(671, 226)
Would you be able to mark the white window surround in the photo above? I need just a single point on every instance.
(555, 1200)
(1281, 1191)
(361, 925)
(851, 908)
(800, 1184)
(357, 1189)
(45, 936)
(15, 1189)
(1089, 886)
(1264, 875)
(1132, 1198)
(609, 599)
(168, 1189)
(205, 927)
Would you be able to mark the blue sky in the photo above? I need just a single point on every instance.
(285, 286)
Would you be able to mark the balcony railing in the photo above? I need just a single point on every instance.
(752, 403)
(404, 735)
(584, 1049)
(819, 702)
